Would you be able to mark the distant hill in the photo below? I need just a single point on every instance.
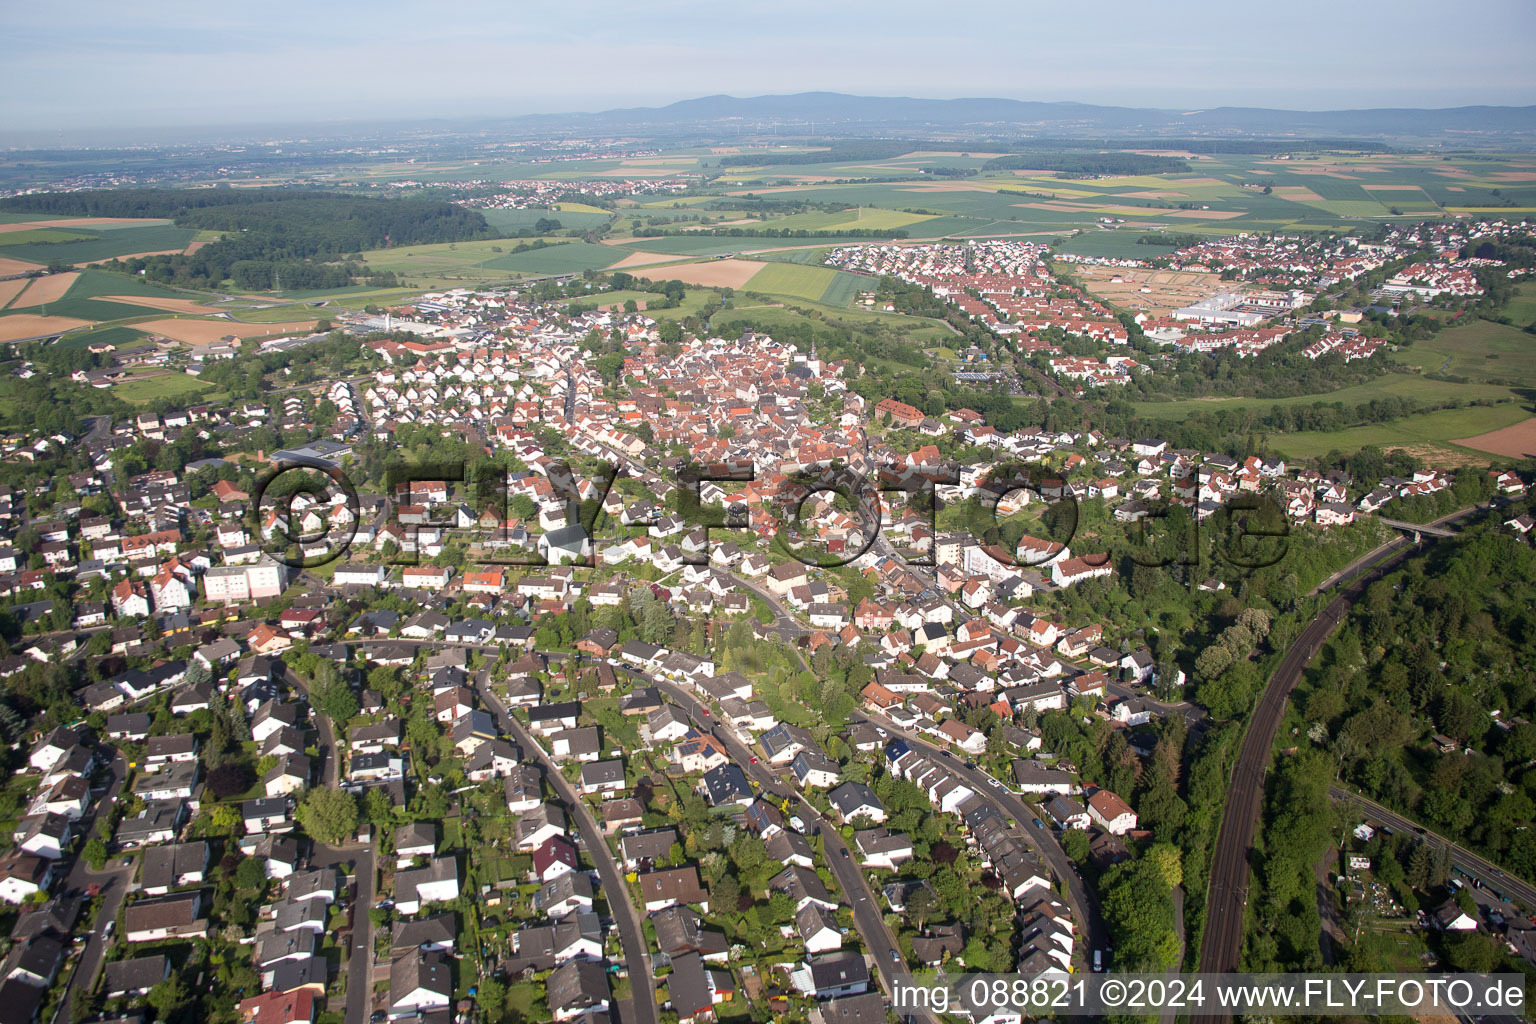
(827, 113)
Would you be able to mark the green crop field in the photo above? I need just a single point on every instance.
(95, 283)
(712, 245)
(512, 221)
(842, 289)
(793, 280)
(1114, 245)
(117, 242)
(441, 265)
(14, 238)
(122, 337)
(84, 298)
(571, 258)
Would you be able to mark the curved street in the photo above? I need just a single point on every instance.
(878, 939)
(641, 1007)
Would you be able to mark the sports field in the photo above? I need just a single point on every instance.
(173, 386)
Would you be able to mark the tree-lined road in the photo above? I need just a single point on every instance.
(641, 1008)
(1081, 900)
(1490, 874)
(878, 939)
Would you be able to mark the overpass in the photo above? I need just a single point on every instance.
(1424, 528)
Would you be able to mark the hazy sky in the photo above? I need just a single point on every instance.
(86, 63)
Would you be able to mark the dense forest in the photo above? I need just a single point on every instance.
(293, 239)
(1443, 646)
(835, 153)
(1090, 163)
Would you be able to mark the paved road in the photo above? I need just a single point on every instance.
(1227, 893)
(1427, 530)
(1081, 900)
(1491, 875)
(359, 967)
(114, 880)
(641, 1009)
(329, 753)
(879, 940)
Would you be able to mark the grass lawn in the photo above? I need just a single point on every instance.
(918, 330)
(1399, 385)
(615, 725)
(526, 1000)
(1481, 351)
(174, 386)
(693, 300)
(1426, 434)
(1522, 308)
(278, 314)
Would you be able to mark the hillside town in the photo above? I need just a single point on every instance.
(596, 735)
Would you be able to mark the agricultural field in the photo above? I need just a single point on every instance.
(82, 245)
(486, 261)
(709, 274)
(81, 300)
(1112, 245)
(569, 216)
(800, 282)
(85, 296)
(120, 337)
(1517, 441)
(569, 258)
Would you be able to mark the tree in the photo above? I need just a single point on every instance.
(230, 779)
(725, 894)
(224, 818)
(492, 996)
(330, 694)
(168, 998)
(95, 853)
(921, 906)
(378, 809)
(1473, 952)
(329, 815)
(252, 874)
